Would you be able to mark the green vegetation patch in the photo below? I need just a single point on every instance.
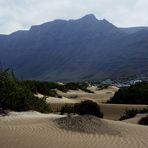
(132, 113)
(49, 88)
(84, 108)
(17, 97)
(144, 121)
(135, 94)
(45, 88)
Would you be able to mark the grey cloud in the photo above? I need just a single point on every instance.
(21, 14)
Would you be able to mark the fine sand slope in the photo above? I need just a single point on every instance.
(98, 96)
(35, 130)
(111, 111)
(115, 111)
(76, 96)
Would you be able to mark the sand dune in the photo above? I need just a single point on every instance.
(63, 100)
(86, 124)
(98, 96)
(35, 130)
(76, 96)
(111, 111)
(57, 103)
(115, 111)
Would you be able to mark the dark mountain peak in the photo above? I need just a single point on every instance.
(88, 22)
(91, 21)
(89, 17)
(92, 17)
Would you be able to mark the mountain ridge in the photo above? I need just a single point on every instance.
(75, 50)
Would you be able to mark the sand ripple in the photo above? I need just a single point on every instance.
(51, 131)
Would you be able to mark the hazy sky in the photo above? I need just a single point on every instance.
(21, 14)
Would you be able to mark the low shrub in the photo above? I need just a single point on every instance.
(144, 121)
(88, 107)
(87, 90)
(129, 114)
(45, 88)
(67, 109)
(100, 87)
(135, 94)
(84, 108)
(132, 113)
(49, 88)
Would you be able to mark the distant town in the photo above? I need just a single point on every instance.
(124, 82)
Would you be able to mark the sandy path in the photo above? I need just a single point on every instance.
(39, 131)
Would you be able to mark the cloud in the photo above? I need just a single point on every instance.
(21, 14)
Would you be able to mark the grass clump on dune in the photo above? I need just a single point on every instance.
(129, 114)
(49, 88)
(84, 108)
(132, 113)
(44, 88)
(144, 121)
(77, 86)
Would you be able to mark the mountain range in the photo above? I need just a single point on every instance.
(76, 50)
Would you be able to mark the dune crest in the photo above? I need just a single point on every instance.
(86, 124)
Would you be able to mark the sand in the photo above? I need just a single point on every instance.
(35, 130)
(98, 96)
(57, 103)
(76, 96)
(63, 100)
(115, 111)
(86, 124)
(111, 111)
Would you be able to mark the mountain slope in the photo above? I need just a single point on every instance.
(132, 30)
(75, 50)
